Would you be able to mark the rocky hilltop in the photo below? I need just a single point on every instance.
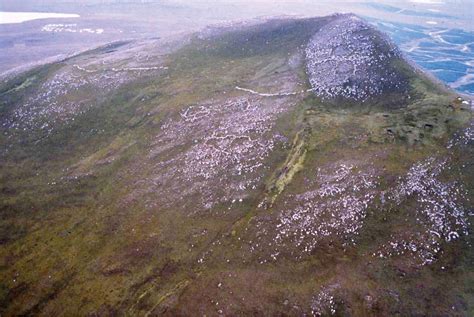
(288, 167)
(349, 59)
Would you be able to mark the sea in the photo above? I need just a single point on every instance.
(446, 52)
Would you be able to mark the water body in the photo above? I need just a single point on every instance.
(429, 13)
(431, 40)
(447, 53)
(20, 17)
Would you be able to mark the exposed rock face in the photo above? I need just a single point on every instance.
(349, 59)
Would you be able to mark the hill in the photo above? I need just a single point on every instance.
(297, 166)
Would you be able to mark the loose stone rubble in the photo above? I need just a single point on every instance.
(439, 203)
(439, 209)
(348, 58)
(462, 138)
(69, 28)
(423, 247)
(221, 142)
(64, 96)
(335, 210)
(324, 302)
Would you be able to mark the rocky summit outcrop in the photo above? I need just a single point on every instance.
(349, 59)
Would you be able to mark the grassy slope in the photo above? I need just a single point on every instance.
(72, 247)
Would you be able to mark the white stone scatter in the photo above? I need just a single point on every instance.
(219, 151)
(439, 204)
(324, 302)
(439, 209)
(348, 58)
(462, 138)
(67, 94)
(421, 246)
(69, 28)
(336, 209)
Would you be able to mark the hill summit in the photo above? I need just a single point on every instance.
(349, 59)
